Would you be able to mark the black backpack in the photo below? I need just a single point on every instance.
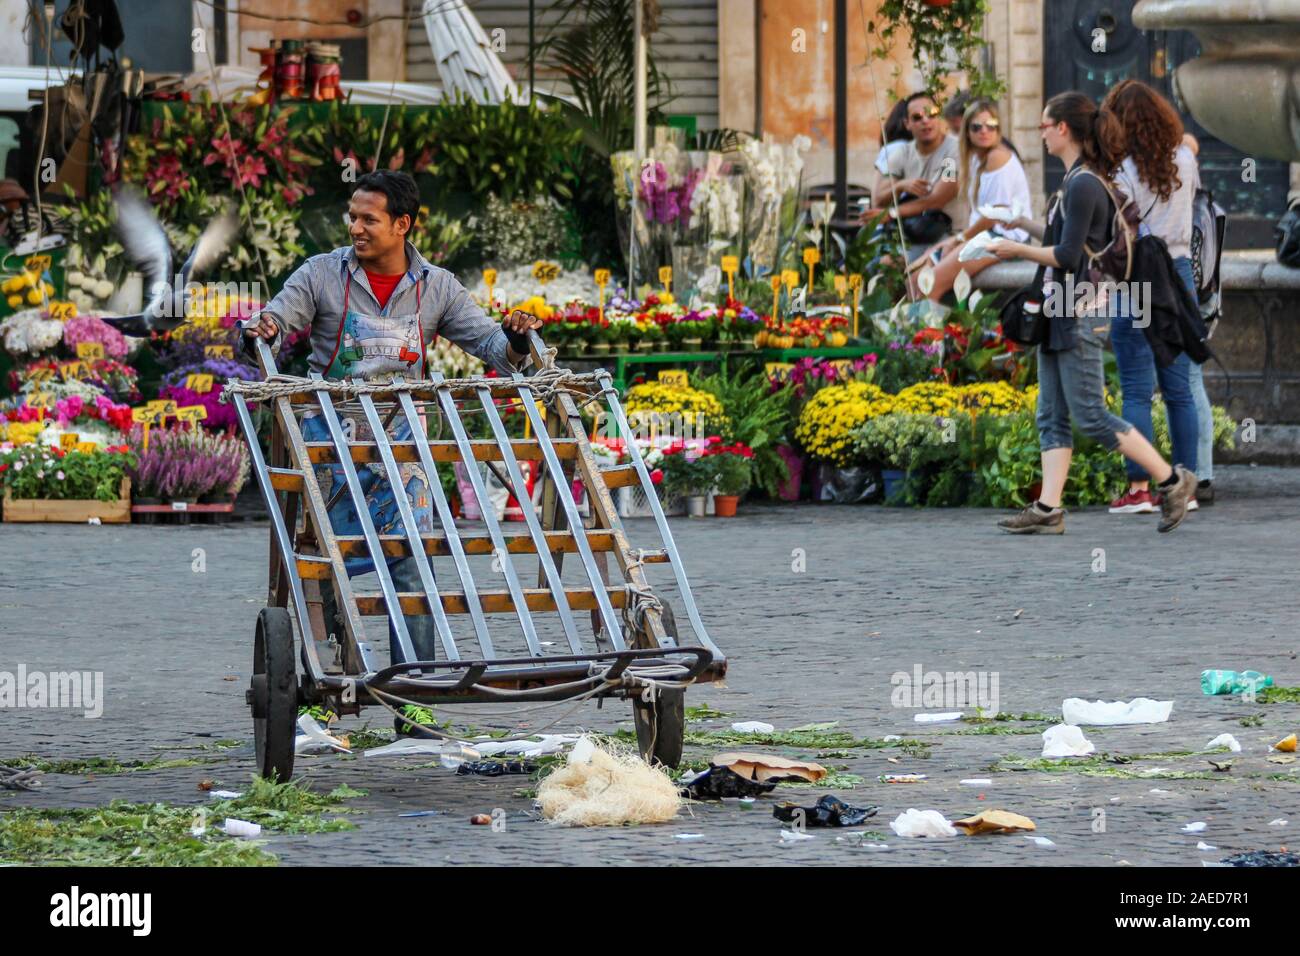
(1209, 227)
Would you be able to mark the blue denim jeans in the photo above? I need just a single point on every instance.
(406, 578)
(1071, 384)
(1138, 375)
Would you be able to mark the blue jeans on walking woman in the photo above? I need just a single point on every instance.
(1071, 384)
(1138, 375)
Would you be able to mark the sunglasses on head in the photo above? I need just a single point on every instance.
(931, 113)
(991, 126)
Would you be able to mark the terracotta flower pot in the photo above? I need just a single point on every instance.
(724, 506)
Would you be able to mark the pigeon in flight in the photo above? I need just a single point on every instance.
(147, 246)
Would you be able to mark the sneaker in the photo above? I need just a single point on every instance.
(1193, 506)
(1173, 501)
(1133, 503)
(1205, 492)
(1033, 521)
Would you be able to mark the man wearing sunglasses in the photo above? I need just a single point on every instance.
(921, 186)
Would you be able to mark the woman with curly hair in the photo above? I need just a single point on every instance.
(1159, 174)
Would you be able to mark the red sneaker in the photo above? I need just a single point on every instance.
(1133, 503)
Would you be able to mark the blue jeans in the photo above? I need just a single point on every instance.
(1071, 384)
(1138, 375)
(406, 578)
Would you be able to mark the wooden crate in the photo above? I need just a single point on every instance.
(22, 510)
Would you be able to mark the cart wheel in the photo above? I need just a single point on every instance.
(274, 694)
(661, 724)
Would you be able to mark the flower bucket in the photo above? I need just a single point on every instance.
(695, 506)
(724, 506)
(789, 490)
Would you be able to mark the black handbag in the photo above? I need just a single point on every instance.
(1023, 321)
(925, 228)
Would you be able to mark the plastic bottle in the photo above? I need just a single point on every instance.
(1233, 682)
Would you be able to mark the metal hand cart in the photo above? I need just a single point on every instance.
(644, 658)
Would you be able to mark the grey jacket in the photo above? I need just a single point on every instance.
(313, 296)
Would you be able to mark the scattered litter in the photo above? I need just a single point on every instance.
(793, 836)
(1040, 841)
(312, 739)
(1066, 740)
(1159, 792)
(902, 778)
(1286, 744)
(411, 746)
(688, 836)
(1263, 858)
(890, 738)
(976, 782)
(717, 783)
(205, 784)
(600, 787)
(547, 744)
(994, 821)
(937, 718)
(1232, 682)
(1016, 616)
(1281, 759)
(747, 803)
(922, 823)
(93, 521)
(420, 813)
(1224, 740)
(481, 819)
(1203, 846)
(764, 767)
(1220, 766)
(495, 768)
(241, 828)
(815, 728)
(752, 727)
(829, 811)
(1140, 710)
(1114, 799)
(225, 794)
(1194, 827)
(1279, 822)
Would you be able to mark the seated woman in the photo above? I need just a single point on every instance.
(993, 176)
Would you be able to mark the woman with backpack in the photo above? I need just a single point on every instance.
(1159, 174)
(1071, 381)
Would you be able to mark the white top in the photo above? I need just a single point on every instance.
(1170, 220)
(888, 154)
(909, 163)
(1006, 186)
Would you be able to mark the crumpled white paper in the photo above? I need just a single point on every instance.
(977, 247)
(1224, 740)
(922, 823)
(311, 739)
(1066, 740)
(752, 727)
(1097, 713)
(936, 718)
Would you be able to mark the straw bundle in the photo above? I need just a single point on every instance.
(601, 787)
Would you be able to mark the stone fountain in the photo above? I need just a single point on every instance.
(1245, 86)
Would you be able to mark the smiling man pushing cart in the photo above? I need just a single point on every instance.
(361, 416)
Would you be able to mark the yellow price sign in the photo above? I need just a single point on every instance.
(842, 365)
(163, 407)
(811, 256)
(37, 264)
(218, 351)
(790, 278)
(855, 281)
(40, 400)
(841, 285)
(730, 264)
(90, 351)
(602, 277)
(199, 383)
(665, 276)
(676, 377)
(69, 440)
(191, 413)
(143, 415)
(63, 311)
(41, 374)
(777, 370)
(776, 283)
(489, 277)
(70, 370)
(86, 447)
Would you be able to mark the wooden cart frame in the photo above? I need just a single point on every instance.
(645, 660)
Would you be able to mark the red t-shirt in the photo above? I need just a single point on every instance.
(383, 286)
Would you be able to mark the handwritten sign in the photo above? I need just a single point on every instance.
(602, 277)
(729, 265)
(777, 370)
(199, 383)
(63, 311)
(90, 351)
(841, 286)
(144, 415)
(191, 413)
(86, 447)
(665, 276)
(676, 377)
(41, 374)
(165, 408)
(37, 264)
(40, 400)
(70, 370)
(218, 351)
(68, 440)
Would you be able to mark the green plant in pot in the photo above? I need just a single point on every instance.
(690, 474)
(733, 475)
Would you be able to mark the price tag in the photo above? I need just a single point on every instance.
(841, 285)
(855, 281)
(92, 351)
(842, 365)
(87, 447)
(730, 263)
(199, 383)
(665, 276)
(164, 408)
(777, 370)
(790, 278)
(811, 256)
(677, 377)
(68, 440)
(40, 400)
(37, 264)
(180, 506)
(219, 351)
(489, 277)
(191, 413)
(143, 415)
(63, 311)
(41, 374)
(602, 277)
(70, 370)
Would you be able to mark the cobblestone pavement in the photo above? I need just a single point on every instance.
(883, 591)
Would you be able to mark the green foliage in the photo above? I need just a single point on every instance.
(759, 417)
(943, 40)
(35, 471)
